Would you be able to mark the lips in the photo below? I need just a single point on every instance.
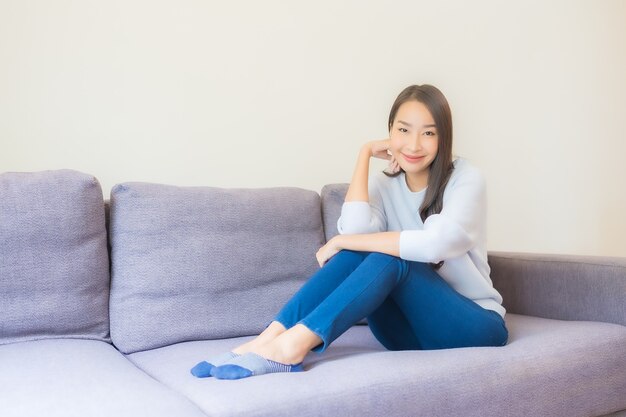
(413, 158)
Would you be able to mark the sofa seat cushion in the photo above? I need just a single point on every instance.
(66, 378)
(549, 367)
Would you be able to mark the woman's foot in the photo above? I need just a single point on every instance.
(268, 358)
(251, 364)
(249, 346)
(272, 331)
(284, 353)
(275, 350)
(289, 347)
(204, 368)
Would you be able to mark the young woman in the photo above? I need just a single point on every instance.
(410, 256)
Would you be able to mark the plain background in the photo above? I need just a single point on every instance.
(283, 93)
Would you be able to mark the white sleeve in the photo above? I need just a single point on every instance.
(455, 230)
(362, 216)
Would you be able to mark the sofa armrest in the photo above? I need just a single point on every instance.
(563, 287)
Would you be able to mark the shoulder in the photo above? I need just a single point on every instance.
(466, 174)
(463, 168)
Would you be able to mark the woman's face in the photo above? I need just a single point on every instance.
(414, 139)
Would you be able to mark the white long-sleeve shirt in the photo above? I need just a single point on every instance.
(457, 235)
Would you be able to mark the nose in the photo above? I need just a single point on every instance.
(415, 143)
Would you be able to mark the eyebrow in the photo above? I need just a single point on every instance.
(410, 125)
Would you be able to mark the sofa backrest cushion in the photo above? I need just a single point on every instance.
(333, 196)
(546, 285)
(194, 263)
(54, 264)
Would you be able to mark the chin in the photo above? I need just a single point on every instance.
(413, 171)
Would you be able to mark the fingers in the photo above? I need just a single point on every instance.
(380, 149)
(382, 154)
(320, 257)
(393, 166)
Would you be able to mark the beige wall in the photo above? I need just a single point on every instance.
(280, 93)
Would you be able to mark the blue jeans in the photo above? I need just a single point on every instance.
(407, 304)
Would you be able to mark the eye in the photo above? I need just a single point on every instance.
(429, 133)
(402, 129)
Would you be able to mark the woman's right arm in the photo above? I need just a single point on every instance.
(358, 186)
(360, 212)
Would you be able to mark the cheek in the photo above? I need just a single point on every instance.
(395, 145)
(433, 145)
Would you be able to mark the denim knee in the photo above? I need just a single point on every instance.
(385, 257)
(382, 256)
(348, 256)
(351, 253)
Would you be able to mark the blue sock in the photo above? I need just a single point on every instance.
(203, 369)
(250, 364)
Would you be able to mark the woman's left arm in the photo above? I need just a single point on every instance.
(384, 242)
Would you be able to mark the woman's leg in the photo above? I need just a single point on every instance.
(440, 317)
(360, 294)
(391, 327)
(443, 319)
(312, 292)
(298, 339)
(319, 286)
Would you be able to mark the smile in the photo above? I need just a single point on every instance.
(413, 159)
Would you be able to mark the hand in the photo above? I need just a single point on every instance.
(379, 148)
(330, 249)
(393, 166)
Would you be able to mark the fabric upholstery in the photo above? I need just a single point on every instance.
(548, 368)
(54, 268)
(333, 196)
(588, 287)
(78, 378)
(192, 263)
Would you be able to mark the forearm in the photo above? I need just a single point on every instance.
(384, 242)
(358, 186)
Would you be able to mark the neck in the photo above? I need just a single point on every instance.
(418, 181)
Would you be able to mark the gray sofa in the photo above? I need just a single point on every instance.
(107, 304)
